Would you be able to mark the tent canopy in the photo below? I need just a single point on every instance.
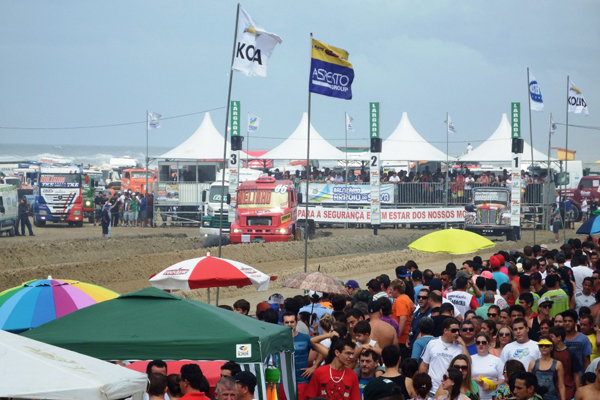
(36, 370)
(294, 147)
(498, 147)
(405, 144)
(150, 324)
(205, 144)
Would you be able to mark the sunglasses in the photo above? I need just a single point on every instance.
(542, 346)
(462, 367)
(545, 306)
(504, 334)
(422, 297)
(445, 377)
(468, 329)
(455, 330)
(492, 315)
(481, 342)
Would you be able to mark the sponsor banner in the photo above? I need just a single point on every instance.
(234, 172)
(167, 192)
(577, 104)
(375, 190)
(388, 215)
(234, 118)
(331, 74)
(330, 193)
(535, 93)
(374, 119)
(515, 110)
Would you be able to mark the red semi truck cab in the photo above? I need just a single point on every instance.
(266, 211)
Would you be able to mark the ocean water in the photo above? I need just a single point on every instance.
(79, 154)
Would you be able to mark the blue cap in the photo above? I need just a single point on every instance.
(352, 284)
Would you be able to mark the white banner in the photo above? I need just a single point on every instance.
(253, 47)
(388, 215)
(535, 93)
(330, 193)
(577, 104)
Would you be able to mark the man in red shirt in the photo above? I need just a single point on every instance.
(191, 379)
(335, 381)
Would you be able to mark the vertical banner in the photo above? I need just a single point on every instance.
(374, 177)
(515, 111)
(515, 179)
(234, 158)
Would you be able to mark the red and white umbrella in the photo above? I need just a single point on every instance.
(210, 272)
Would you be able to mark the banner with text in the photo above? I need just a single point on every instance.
(388, 215)
(341, 193)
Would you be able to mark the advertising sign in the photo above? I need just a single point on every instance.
(388, 215)
(329, 193)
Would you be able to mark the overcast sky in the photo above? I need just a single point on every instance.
(82, 63)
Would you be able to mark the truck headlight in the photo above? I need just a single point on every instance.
(238, 230)
(206, 223)
(88, 203)
(283, 231)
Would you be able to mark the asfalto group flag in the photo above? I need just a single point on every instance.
(253, 46)
(535, 93)
(331, 74)
(577, 104)
(253, 122)
(153, 120)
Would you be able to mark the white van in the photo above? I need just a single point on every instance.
(9, 209)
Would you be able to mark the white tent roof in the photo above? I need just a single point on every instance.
(205, 144)
(36, 370)
(405, 144)
(294, 147)
(498, 147)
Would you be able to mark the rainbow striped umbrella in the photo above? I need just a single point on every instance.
(42, 300)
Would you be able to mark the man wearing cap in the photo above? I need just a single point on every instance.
(336, 381)
(500, 277)
(402, 311)
(352, 287)
(190, 381)
(246, 383)
(382, 332)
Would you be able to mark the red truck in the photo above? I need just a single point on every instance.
(266, 211)
(588, 189)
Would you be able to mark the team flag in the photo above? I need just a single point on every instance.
(331, 74)
(577, 104)
(553, 126)
(537, 104)
(349, 126)
(253, 122)
(253, 47)
(153, 120)
(451, 128)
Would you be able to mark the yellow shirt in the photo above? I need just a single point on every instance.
(595, 349)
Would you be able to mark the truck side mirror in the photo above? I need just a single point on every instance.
(299, 196)
(204, 196)
(2, 210)
(470, 208)
(228, 198)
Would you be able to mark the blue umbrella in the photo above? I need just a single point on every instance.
(590, 227)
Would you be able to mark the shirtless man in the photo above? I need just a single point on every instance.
(382, 332)
(589, 392)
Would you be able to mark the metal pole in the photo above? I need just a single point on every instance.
(566, 164)
(346, 179)
(237, 16)
(446, 180)
(531, 145)
(549, 150)
(146, 155)
(247, 148)
(306, 227)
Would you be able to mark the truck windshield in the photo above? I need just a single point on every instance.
(60, 180)
(262, 198)
(216, 192)
(490, 197)
(141, 174)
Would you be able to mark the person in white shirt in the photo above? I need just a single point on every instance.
(439, 352)
(585, 298)
(485, 365)
(580, 271)
(394, 178)
(523, 349)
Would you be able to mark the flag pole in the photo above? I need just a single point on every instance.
(446, 180)
(549, 177)
(237, 16)
(247, 144)
(306, 227)
(346, 179)
(146, 173)
(566, 165)
(531, 145)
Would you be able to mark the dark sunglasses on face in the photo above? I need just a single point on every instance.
(445, 377)
(545, 306)
(455, 330)
(422, 297)
(505, 334)
(542, 346)
(481, 342)
(462, 367)
(492, 315)
(468, 329)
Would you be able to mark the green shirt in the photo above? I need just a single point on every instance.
(483, 310)
(135, 206)
(536, 300)
(560, 299)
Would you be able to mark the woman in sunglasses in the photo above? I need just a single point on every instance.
(504, 337)
(451, 384)
(468, 387)
(489, 326)
(487, 369)
(549, 372)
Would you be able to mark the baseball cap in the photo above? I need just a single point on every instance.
(417, 275)
(374, 306)
(495, 262)
(544, 247)
(435, 284)
(514, 252)
(275, 298)
(380, 388)
(352, 284)
(262, 306)
(487, 275)
(312, 293)
(247, 379)
(402, 272)
(462, 274)
(545, 302)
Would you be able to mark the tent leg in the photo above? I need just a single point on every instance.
(217, 299)
(208, 295)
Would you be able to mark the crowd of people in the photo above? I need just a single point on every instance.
(519, 325)
(123, 209)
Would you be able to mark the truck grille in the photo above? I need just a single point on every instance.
(258, 221)
(488, 216)
(220, 220)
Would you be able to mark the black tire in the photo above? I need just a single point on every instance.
(79, 224)
(38, 223)
(577, 214)
(510, 236)
(11, 231)
(91, 220)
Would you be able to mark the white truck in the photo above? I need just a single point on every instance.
(9, 209)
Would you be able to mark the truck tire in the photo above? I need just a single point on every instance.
(38, 223)
(577, 214)
(79, 224)
(510, 236)
(11, 231)
(91, 220)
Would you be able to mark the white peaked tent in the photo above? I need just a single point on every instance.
(205, 144)
(405, 144)
(36, 370)
(294, 147)
(498, 147)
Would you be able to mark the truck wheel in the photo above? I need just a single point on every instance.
(91, 220)
(510, 236)
(79, 224)
(38, 222)
(11, 231)
(576, 213)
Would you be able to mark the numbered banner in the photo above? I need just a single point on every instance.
(234, 180)
(374, 180)
(515, 192)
